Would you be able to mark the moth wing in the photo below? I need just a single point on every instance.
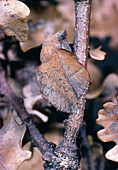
(61, 81)
(76, 73)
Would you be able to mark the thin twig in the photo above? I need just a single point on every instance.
(37, 138)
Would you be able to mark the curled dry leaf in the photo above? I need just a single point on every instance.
(29, 103)
(66, 21)
(12, 53)
(35, 39)
(95, 75)
(27, 74)
(11, 152)
(32, 95)
(110, 88)
(108, 118)
(104, 22)
(32, 88)
(62, 78)
(35, 163)
(53, 19)
(12, 19)
(97, 53)
(55, 135)
(15, 85)
(37, 34)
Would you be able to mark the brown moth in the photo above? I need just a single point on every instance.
(62, 78)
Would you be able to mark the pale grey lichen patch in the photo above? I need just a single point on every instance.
(112, 127)
(116, 137)
(110, 114)
(116, 109)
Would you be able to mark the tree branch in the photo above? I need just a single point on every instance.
(67, 153)
(82, 24)
(37, 138)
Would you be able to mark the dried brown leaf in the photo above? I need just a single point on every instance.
(95, 75)
(109, 87)
(37, 34)
(108, 118)
(15, 85)
(32, 95)
(66, 21)
(97, 53)
(29, 103)
(12, 53)
(53, 18)
(12, 19)
(63, 79)
(27, 74)
(11, 152)
(32, 88)
(35, 39)
(55, 136)
(35, 163)
(104, 22)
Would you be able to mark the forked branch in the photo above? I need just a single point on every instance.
(37, 138)
(66, 154)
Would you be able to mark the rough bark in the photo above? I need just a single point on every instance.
(66, 155)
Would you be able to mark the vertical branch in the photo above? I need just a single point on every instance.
(66, 153)
(65, 156)
(82, 24)
(82, 14)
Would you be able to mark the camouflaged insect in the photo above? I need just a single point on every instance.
(62, 78)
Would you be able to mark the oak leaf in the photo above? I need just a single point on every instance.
(11, 152)
(35, 163)
(32, 88)
(37, 33)
(95, 88)
(104, 21)
(108, 117)
(12, 19)
(62, 78)
(29, 103)
(110, 88)
(97, 53)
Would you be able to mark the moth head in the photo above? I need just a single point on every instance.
(52, 44)
(61, 35)
(62, 39)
